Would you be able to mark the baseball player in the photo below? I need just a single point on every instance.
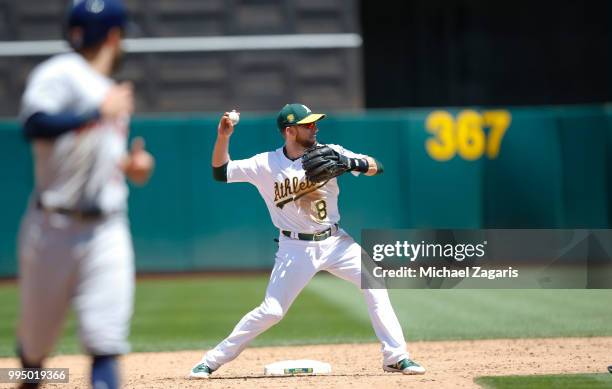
(75, 245)
(306, 213)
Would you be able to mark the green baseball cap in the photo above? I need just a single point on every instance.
(293, 114)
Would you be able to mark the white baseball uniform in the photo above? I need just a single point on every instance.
(65, 258)
(300, 206)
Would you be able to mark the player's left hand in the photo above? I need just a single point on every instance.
(140, 162)
(322, 163)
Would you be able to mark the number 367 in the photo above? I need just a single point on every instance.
(465, 135)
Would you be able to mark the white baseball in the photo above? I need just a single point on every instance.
(234, 117)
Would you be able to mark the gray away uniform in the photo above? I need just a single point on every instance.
(63, 257)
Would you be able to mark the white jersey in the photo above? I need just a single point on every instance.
(295, 203)
(80, 169)
(298, 205)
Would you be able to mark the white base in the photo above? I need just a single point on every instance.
(297, 367)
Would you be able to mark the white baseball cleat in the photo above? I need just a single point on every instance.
(201, 370)
(405, 366)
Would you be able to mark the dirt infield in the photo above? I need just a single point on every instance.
(450, 364)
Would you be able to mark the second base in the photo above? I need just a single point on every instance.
(297, 367)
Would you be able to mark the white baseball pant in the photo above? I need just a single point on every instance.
(296, 263)
(88, 264)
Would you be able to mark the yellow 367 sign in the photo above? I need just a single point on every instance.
(465, 135)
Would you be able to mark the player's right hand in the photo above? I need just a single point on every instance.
(226, 127)
(119, 101)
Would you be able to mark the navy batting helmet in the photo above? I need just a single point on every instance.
(94, 18)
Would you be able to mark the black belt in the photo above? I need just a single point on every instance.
(88, 214)
(317, 236)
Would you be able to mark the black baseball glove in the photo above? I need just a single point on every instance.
(322, 163)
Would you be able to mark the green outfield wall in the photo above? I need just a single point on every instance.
(456, 168)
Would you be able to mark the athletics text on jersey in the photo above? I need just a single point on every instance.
(294, 202)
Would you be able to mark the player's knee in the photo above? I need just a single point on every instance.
(272, 311)
(377, 298)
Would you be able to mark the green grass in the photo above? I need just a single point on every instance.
(565, 381)
(197, 313)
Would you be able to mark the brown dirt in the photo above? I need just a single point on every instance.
(450, 364)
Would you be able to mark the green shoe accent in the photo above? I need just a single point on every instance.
(201, 371)
(405, 363)
(405, 366)
(201, 368)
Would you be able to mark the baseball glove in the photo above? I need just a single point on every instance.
(322, 163)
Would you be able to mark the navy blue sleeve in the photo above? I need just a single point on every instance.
(50, 126)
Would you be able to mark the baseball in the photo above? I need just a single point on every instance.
(234, 117)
